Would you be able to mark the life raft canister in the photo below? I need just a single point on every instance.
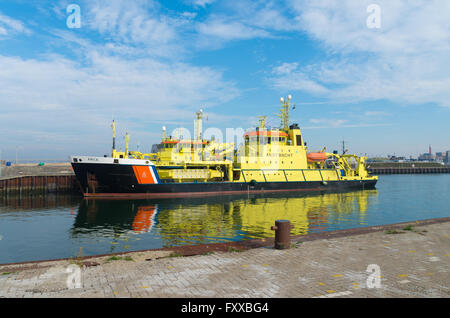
(317, 156)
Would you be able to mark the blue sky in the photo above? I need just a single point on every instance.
(151, 63)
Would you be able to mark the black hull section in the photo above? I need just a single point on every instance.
(105, 180)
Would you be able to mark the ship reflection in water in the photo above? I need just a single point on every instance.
(217, 219)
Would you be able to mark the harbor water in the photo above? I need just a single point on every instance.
(62, 226)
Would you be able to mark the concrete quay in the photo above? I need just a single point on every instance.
(397, 261)
(33, 169)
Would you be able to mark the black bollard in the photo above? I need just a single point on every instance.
(282, 230)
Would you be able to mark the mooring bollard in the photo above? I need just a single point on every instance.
(282, 230)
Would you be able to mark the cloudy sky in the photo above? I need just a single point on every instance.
(382, 84)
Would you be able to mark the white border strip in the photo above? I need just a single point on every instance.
(153, 175)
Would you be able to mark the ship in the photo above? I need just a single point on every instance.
(269, 160)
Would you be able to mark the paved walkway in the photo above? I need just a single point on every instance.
(413, 263)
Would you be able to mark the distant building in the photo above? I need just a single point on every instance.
(440, 156)
(396, 159)
(426, 157)
(447, 157)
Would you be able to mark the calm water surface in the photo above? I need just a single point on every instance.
(52, 227)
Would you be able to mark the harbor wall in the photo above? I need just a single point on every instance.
(407, 170)
(39, 185)
(37, 179)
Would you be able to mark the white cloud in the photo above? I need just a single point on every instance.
(244, 20)
(55, 100)
(376, 114)
(329, 122)
(61, 99)
(407, 26)
(136, 22)
(271, 16)
(189, 15)
(288, 77)
(202, 3)
(10, 26)
(230, 30)
(285, 68)
(406, 61)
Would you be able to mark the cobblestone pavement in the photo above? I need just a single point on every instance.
(412, 263)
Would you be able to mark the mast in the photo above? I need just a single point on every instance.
(114, 137)
(285, 104)
(198, 125)
(127, 140)
(262, 122)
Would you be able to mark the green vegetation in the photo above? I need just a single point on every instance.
(231, 249)
(173, 254)
(114, 258)
(6, 273)
(78, 258)
(393, 231)
(119, 258)
(377, 160)
(406, 228)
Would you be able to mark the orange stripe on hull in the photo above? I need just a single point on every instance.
(144, 175)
